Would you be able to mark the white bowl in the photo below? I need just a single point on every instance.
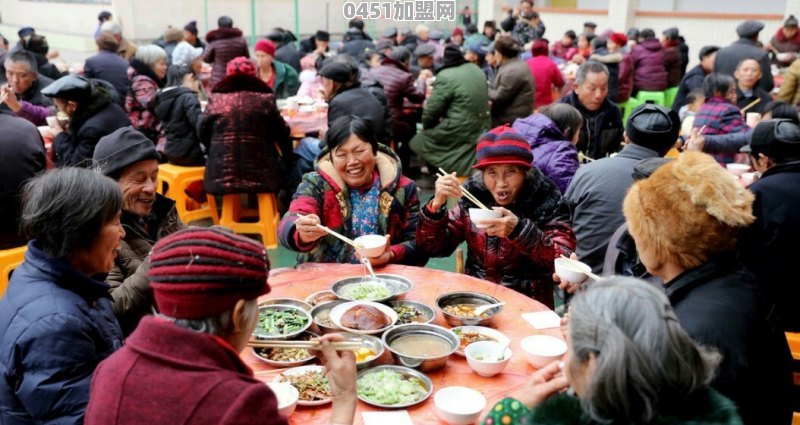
(339, 310)
(459, 405)
(737, 169)
(748, 178)
(373, 245)
(488, 366)
(541, 350)
(478, 215)
(287, 396)
(572, 270)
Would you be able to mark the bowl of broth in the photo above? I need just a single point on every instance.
(420, 346)
(458, 308)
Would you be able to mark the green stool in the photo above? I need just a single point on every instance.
(628, 107)
(657, 97)
(670, 94)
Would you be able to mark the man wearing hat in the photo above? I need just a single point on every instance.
(769, 245)
(224, 44)
(285, 50)
(190, 35)
(746, 46)
(672, 56)
(91, 115)
(280, 77)
(183, 366)
(345, 96)
(423, 55)
(130, 158)
(589, 27)
(390, 34)
(694, 78)
(356, 40)
(598, 188)
(107, 65)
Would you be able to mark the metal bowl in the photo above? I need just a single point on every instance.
(287, 301)
(259, 334)
(318, 298)
(423, 364)
(423, 379)
(428, 313)
(403, 284)
(369, 341)
(339, 286)
(322, 308)
(305, 336)
(468, 298)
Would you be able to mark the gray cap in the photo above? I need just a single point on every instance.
(425, 50)
(749, 29)
(590, 24)
(436, 35)
(184, 53)
(70, 87)
(390, 32)
(125, 146)
(671, 33)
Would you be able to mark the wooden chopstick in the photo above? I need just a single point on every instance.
(308, 345)
(589, 273)
(343, 238)
(750, 105)
(465, 192)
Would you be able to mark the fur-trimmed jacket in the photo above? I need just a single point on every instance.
(224, 44)
(325, 194)
(246, 138)
(524, 260)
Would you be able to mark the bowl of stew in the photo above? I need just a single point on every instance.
(458, 308)
(420, 346)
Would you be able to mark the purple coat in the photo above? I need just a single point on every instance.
(553, 155)
(649, 70)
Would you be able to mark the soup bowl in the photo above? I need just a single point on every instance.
(541, 350)
(373, 245)
(476, 298)
(322, 312)
(424, 347)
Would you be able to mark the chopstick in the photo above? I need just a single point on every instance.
(343, 238)
(3, 98)
(465, 192)
(750, 105)
(308, 345)
(589, 273)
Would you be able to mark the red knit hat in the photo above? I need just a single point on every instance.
(265, 46)
(457, 31)
(618, 38)
(540, 48)
(503, 145)
(200, 272)
(240, 65)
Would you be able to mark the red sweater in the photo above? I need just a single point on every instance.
(166, 375)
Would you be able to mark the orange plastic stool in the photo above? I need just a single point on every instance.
(267, 217)
(9, 260)
(177, 179)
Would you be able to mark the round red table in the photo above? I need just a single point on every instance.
(428, 285)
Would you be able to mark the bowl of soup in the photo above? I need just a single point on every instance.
(459, 308)
(420, 346)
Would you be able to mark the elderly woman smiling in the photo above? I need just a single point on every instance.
(358, 189)
(516, 250)
(56, 318)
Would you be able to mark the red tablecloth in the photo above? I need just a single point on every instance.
(305, 123)
(428, 285)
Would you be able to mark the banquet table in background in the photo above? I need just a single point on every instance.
(428, 285)
(306, 123)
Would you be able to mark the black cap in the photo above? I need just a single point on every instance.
(25, 31)
(125, 146)
(322, 36)
(653, 127)
(589, 24)
(71, 87)
(424, 50)
(707, 50)
(191, 27)
(390, 32)
(749, 29)
(671, 33)
(779, 138)
(336, 71)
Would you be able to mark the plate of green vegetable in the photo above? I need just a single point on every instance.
(364, 289)
(393, 386)
(279, 321)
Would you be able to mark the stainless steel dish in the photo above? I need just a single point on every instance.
(403, 284)
(372, 343)
(305, 336)
(260, 334)
(325, 309)
(428, 313)
(423, 364)
(339, 287)
(468, 298)
(425, 382)
(287, 301)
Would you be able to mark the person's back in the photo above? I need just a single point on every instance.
(179, 110)
(672, 62)
(398, 85)
(649, 71)
(356, 44)
(546, 75)
(553, 153)
(224, 44)
(109, 67)
(21, 158)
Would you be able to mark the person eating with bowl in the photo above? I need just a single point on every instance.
(183, 366)
(358, 189)
(529, 227)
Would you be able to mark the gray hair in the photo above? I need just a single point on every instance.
(150, 54)
(219, 325)
(22, 56)
(111, 27)
(644, 358)
(65, 209)
(586, 68)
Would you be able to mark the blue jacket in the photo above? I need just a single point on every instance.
(56, 325)
(553, 154)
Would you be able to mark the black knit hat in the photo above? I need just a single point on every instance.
(191, 27)
(653, 127)
(125, 146)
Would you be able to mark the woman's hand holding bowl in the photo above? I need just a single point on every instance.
(447, 186)
(503, 226)
(570, 287)
(385, 257)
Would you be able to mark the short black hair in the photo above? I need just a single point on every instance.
(104, 16)
(571, 34)
(693, 95)
(565, 116)
(745, 59)
(707, 50)
(717, 83)
(599, 43)
(356, 23)
(64, 209)
(225, 21)
(647, 34)
(344, 127)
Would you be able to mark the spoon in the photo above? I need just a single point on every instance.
(484, 308)
(501, 353)
(368, 265)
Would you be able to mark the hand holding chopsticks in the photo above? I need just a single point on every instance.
(464, 192)
(307, 345)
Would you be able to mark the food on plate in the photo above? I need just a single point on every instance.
(408, 314)
(463, 310)
(365, 318)
(321, 298)
(284, 354)
(389, 387)
(467, 338)
(421, 345)
(312, 385)
(363, 354)
(366, 291)
(324, 319)
(280, 322)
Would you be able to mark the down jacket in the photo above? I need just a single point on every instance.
(511, 92)
(178, 108)
(224, 44)
(649, 71)
(56, 325)
(325, 194)
(524, 260)
(554, 155)
(246, 138)
(398, 84)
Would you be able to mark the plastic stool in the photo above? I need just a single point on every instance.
(177, 179)
(627, 107)
(267, 214)
(657, 97)
(9, 260)
(669, 96)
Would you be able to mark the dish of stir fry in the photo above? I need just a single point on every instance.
(312, 385)
(408, 314)
(277, 322)
(284, 354)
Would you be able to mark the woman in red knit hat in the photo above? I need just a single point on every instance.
(517, 249)
(279, 76)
